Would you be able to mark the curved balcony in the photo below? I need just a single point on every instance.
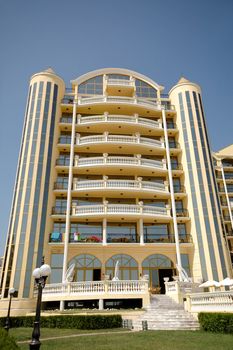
(96, 122)
(110, 187)
(120, 165)
(126, 210)
(120, 100)
(120, 142)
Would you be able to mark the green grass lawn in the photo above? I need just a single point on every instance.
(148, 340)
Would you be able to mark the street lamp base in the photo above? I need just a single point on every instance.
(34, 345)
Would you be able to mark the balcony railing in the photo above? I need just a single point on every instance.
(120, 82)
(108, 118)
(120, 209)
(227, 218)
(118, 139)
(58, 211)
(95, 290)
(151, 238)
(112, 238)
(182, 212)
(82, 101)
(120, 161)
(120, 184)
(60, 185)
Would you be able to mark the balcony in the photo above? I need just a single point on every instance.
(178, 189)
(125, 210)
(111, 121)
(119, 143)
(59, 211)
(121, 165)
(227, 218)
(115, 102)
(147, 188)
(180, 212)
(119, 87)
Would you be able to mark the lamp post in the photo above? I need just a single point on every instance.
(40, 274)
(7, 324)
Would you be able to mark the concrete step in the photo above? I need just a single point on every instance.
(165, 313)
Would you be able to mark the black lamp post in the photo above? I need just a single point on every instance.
(7, 324)
(40, 274)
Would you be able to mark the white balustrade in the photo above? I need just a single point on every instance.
(82, 120)
(94, 289)
(118, 139)
(120, 82)
(82, 101)
(119, 209)
(211, 302)
(118, 160)
(112, 184)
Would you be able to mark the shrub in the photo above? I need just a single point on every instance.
(68, 321)
(7, 342)
(216, 322)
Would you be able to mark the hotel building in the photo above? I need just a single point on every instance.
(114, 170)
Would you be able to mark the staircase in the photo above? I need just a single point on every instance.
(164, 313)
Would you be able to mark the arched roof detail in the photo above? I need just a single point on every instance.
(122, 71)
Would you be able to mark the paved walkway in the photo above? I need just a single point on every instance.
(77, 335)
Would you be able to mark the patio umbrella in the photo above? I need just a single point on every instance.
(226, 282)
(209, 284)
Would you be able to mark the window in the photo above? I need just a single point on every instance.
(93, 86)
(56, 268)
(128, 267)
(145, 90)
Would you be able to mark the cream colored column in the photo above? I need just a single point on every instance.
(141, 231)
(227, 196)
(173, 204)
(68, 206)
(104, 231)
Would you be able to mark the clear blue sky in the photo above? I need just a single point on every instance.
(163, 39)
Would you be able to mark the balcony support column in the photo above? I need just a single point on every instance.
(141, 231)
(227, 196)
(173, 204)
(104, 231)
(69, 199)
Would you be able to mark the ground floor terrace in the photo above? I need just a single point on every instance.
(98, 264)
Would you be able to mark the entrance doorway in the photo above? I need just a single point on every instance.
(157, 266)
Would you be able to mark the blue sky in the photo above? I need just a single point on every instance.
(158, 38)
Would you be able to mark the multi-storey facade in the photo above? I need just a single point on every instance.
(113, 170)
(223, 161)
